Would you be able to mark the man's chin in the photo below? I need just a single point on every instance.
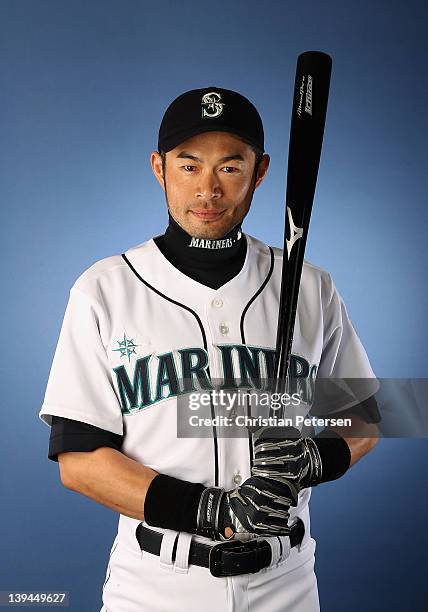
(209, 230)
(205, 228)
(207, 233)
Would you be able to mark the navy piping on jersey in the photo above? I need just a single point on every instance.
(244, 312)
(256, 295)
(204, 338)
(109, 568)
(169, 299)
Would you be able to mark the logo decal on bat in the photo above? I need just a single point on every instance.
(295, 232)
(301, 92)
(308, 95)
(308, 105)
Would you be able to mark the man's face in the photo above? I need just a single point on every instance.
(209, 182)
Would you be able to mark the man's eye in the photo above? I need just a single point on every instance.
(229, 169)
(189, 168)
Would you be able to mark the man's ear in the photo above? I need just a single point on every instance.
(157, 167)
(262, 169)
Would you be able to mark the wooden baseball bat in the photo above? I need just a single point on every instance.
(309, 111)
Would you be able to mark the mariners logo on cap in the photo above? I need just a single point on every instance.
(212, 106)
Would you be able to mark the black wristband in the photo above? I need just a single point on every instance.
(210, 515)
(335, 454)
(172, 503)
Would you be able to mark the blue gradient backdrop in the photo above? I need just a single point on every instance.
(83, 88)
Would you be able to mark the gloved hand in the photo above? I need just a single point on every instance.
(282, 455)
(282, 467)
(259, 506)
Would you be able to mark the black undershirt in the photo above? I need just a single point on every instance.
(209, 262)
(68, 435)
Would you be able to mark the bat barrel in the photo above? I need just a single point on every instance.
(311, 90)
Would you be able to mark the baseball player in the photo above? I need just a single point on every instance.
(206, 522)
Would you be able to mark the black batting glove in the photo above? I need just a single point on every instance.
(281, 454)
(259, 506)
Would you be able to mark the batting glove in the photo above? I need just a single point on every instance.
(259, 506)
(280, 454)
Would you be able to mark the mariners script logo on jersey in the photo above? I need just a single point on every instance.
(160, 377)
(212, 106)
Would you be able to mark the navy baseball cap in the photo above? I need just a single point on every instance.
(210, 109)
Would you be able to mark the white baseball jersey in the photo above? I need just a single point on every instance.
(135, 327)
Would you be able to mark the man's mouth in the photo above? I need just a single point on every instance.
(208, 215)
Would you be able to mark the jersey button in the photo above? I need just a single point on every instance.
(224, 329)
(217, 303)
(237, 479)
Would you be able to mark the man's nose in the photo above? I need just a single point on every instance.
(208, 186)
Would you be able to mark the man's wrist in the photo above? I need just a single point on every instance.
(330, 457)
(172, 503)
(314, 475)
(180, 505)
(210, 510)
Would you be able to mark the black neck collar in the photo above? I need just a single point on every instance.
(202, 250)
(210, 262)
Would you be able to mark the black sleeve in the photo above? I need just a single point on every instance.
(367, 410)
(68, 435)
